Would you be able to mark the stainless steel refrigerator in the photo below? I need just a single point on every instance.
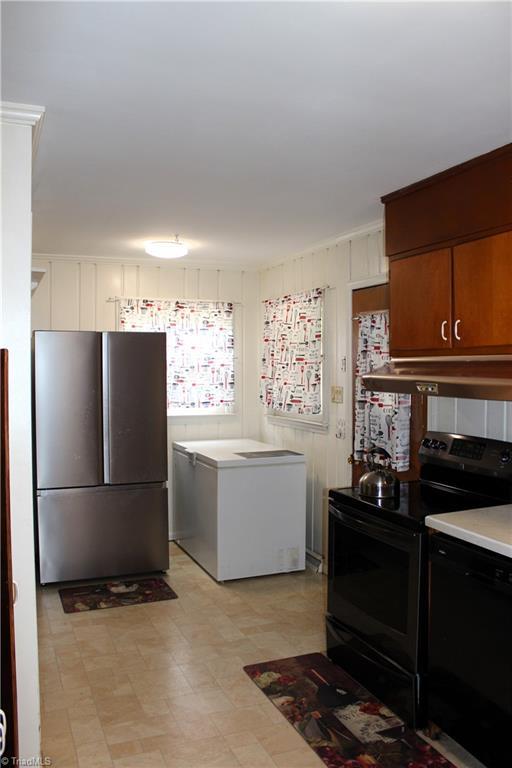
(100, 419)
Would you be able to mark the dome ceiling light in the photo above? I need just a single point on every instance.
(166, 249)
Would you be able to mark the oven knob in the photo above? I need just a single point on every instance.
(435, 445)
(506, 456)
(442, 446)
(426, 443)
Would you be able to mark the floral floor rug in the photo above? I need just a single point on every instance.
(341, 721)
(114, 594)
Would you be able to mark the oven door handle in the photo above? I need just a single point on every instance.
(377, 529)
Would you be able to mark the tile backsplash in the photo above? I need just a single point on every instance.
(482, 418)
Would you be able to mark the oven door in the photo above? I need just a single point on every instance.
(377, 584)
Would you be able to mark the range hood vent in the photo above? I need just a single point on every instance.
(474, 378)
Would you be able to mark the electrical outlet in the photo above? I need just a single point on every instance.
(341, 431)
(336, 394)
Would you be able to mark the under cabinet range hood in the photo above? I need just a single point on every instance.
(473, 378)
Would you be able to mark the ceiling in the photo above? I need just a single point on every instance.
(254, 130)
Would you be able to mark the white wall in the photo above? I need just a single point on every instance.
(15, 336)
(72, 296)
(351, 260)
(482, 418)
(342, 265)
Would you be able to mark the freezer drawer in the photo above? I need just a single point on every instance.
(135, 407)
(96, 532)
(67, 383)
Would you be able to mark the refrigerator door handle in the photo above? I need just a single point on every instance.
(106, 409)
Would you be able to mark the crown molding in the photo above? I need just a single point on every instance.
(147, 262)
(24, 114)
(364, 229)
(185, 263)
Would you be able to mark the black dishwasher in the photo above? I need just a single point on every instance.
(470, 648)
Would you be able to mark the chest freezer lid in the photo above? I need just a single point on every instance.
(227, 453)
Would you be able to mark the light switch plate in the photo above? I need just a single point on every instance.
(336, 394)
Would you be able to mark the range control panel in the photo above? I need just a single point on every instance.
(476, 454)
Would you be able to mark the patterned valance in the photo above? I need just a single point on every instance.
(291, 373)
(381, 418)
(200, 350)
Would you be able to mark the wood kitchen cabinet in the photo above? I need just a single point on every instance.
(449, 241)
(482, 278)
(466, 202)
(421, 303)
(453, 300)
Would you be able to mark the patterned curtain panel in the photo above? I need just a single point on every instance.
(381, 419)
(200, 350)
(291, 374)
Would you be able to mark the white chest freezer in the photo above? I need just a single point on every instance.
(240, 506)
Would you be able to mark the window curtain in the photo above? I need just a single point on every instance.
(381, 418)
(200, 350)
(291, 372)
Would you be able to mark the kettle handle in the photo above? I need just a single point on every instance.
(381, 452)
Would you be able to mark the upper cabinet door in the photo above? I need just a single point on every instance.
(483, 294)
(135, 407)
(67, 398)
(421, 303)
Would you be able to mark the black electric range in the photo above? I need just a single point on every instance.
(378, 558)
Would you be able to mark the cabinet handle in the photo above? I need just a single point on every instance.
(456, 330)
(443, 328)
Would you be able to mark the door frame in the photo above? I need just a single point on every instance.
(419, 405)
(367, 282)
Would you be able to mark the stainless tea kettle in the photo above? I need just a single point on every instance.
(379, 482)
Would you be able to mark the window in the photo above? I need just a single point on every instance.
(200, 351)
(292, 376)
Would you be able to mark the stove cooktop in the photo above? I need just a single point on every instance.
(457, 472)
(417, 500)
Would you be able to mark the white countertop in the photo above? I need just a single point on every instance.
(225, 453)
(490, 527)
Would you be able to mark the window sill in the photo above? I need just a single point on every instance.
(291, 423)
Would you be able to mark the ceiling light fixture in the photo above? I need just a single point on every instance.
(166, 249)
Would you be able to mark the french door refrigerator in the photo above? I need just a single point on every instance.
(100, 419)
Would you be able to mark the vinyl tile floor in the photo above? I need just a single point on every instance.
(162, 684)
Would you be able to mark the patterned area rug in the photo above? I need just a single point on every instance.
(341, 721)
(114, 594)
